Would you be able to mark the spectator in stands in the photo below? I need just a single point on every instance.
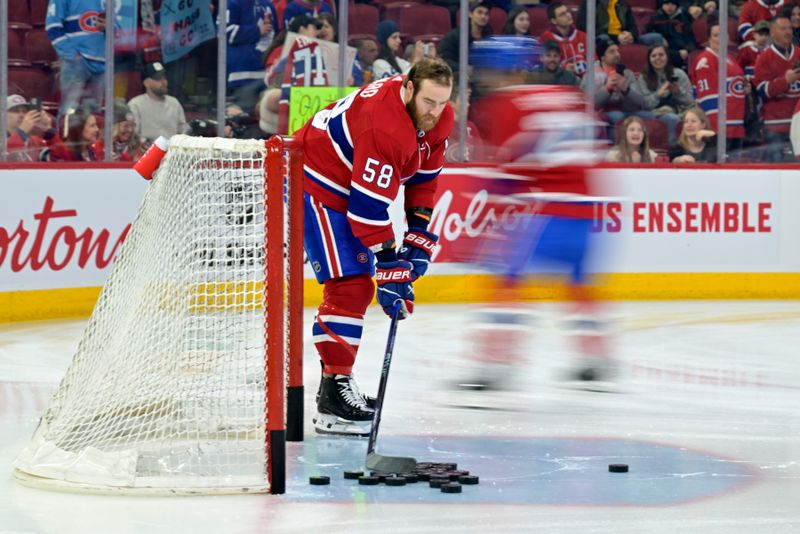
(755, 10)
(675, 25)
(749, 51)
(616, 95)
(571, 40)
(249, 32)
(697, 142)
(367, 53)
(156, 113)
(478, 29)
(77, 32)
(551, 72)
(777, 78)
(388, 63)
(702, 9)
(706, 82)
(312, 8)
(518, 22)
(792, 11)
(633, 144)
(473, 136)
(29, 129)
(666, 91)
(327, 29)
(82, 132)
(794, 132)
(303, 25)
(614, 20)
(126, 143)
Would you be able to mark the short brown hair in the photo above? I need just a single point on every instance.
(430, 68)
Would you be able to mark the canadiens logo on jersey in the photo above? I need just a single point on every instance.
(735, 87)
(88, 21)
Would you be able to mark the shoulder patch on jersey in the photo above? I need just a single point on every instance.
(702, 63)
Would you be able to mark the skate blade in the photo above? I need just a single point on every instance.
(334, 425)
(595, 386)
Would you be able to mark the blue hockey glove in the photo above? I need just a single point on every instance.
(418, 247)
(394, 283)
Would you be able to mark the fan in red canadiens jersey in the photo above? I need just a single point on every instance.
(358, 151)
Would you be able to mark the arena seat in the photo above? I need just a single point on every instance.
(539, 20)
(19, 15)
(17, 54)
(40, 51)
(362, 19)
(424, 19)
(38, 12)
(634, 56)
(30, 82)
(497, 19)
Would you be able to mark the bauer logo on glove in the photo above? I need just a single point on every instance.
(418, 248)
(393, 275)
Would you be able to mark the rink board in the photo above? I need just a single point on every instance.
(663, 232)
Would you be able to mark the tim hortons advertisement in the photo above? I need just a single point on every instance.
(61, 227)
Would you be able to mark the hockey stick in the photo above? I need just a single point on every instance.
(375, 461)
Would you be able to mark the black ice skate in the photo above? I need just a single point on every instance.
(341, 408)
(370, 401)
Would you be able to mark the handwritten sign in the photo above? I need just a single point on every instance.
(304, 102)
(184, 25)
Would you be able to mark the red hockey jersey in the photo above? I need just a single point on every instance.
(705, 80)
(779, 97)
(360, 149)
(573, 48)
(747, 56)
(304, 67)
(752, 12)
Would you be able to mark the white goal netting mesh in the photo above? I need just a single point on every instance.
(167, 388)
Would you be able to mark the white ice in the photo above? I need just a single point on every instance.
(709, 398)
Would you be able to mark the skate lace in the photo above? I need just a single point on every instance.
(351, 394)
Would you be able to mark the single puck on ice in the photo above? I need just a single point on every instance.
(369, 481)
(618, 468)
(353, 475)
(423, 477)
(319, 480)
(411, 479)
(451, 487)
(395, 481)
(381, 476)
(468, 479)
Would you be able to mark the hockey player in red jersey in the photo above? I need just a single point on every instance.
(357, 153)
(706, 81)
(540, 137)
(777, 81)
(754, 11)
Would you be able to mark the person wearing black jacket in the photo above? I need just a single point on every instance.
(478, 29)
(676, 26)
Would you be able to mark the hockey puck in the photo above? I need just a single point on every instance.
(368, 481)
(438, 482)
(455, 475)
(395, 481)
(381, 476)
(411, 479)
(319, 480)
(451, 487)
(423, 477)
(353, 475)
(617, 468)
(468, 479)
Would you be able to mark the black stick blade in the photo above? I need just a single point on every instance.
(390, 464)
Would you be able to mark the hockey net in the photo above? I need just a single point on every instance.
(179, 382)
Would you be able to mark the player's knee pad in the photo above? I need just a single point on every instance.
(352, 294)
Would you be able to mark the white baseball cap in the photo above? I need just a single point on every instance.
(13, 101)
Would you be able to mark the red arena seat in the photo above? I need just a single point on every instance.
(539, 20)
(40, 51)
(634, 56)
(362, 19)
(424, 19)
(30, 82)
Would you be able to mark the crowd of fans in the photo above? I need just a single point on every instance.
(655, 78)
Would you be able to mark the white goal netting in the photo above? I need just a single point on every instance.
(167, 391)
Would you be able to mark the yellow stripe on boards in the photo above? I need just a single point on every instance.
(440, 289)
